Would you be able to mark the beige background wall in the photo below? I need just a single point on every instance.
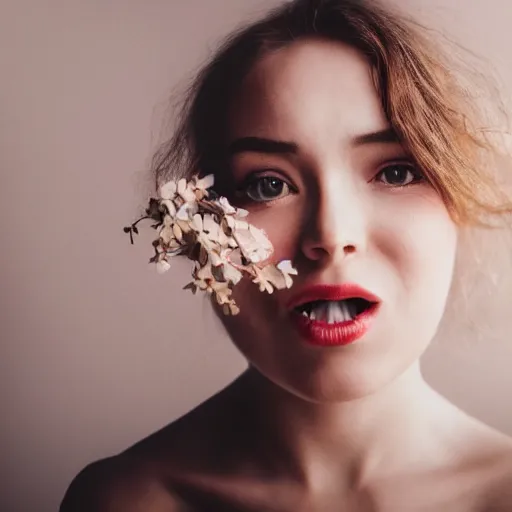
(96, 349)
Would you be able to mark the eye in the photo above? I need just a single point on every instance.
(399, 175)
(265, 188)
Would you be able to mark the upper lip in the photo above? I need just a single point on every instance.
(331, 292)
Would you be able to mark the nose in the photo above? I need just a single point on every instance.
(335, 227)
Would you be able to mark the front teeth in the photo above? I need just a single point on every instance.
(346, 311)
(331, 312)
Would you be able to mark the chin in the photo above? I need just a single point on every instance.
(333, 382)
(323, 376)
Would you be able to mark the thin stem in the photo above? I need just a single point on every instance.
(137, 221)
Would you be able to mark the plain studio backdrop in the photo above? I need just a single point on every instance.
(97, 350)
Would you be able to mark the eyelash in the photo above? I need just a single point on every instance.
(255, 178)
(418, 176)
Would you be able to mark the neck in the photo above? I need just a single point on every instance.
(319, 443)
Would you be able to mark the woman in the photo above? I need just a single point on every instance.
(336, 126)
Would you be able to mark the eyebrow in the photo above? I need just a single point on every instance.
(387, 136)
(262, 145)
(271, 146)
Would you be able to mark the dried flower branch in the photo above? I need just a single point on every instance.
(192, 221)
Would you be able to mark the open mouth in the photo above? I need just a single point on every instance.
(334, 311)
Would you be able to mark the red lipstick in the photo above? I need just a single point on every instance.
(341, 331)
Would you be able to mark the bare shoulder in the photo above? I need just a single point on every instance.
(495, 477)
(484, 462)
(499, 496)
(119, 483)
(153, 474)
(160, 472)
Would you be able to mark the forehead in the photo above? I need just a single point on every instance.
(308, 86)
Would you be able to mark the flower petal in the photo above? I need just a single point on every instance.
(234, 309)
(287, 267)
(162, 266)
(187, 211)
(171, 208)
(211, 227)
(182, 186)
(206, 182)
(230, 273)
(168, 190)
(224, 204)
(197, 223)
(216, 259)
(167, 234)
(178, 233)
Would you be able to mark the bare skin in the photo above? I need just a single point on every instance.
(309, 429)
(231, 454)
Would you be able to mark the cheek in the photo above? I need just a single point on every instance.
(282, 225)
(419, 241)
(251, 326)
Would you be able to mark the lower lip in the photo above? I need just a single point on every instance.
(323, 334)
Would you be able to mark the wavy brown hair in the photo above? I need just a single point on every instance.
(425, 102)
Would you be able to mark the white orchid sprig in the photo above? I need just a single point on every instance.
(194, 221)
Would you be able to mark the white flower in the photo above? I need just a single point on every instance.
(171, 207)
(224, 204)
(212, 228)
(166, 232)
(197, 223)
(270, 276)
(210, 232)
(262, 281)
(205, 183)
(162, 266)
(253, 242)
(177, 232)
(216, 259)
(230, 273)
(187, 211)
(186, 191)
(168, 190)
(287, 270)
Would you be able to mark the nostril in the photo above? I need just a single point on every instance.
(317, 253)
(314, 251)
(320, 251)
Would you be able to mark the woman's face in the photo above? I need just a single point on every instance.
(335, 192)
